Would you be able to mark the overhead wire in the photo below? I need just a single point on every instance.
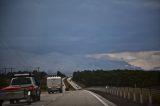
(23, 61)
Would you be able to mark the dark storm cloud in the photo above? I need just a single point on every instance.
(78, 27)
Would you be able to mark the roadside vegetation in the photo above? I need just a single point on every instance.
(118, 78)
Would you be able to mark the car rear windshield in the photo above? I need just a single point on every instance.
(21, 81)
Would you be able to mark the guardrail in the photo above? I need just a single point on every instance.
(139, 95)
(142, 95)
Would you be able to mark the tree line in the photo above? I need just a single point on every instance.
(118, 78)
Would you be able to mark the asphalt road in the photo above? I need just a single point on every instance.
(69, 98)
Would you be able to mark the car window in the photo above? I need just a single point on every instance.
(35, 81)
(21, 81)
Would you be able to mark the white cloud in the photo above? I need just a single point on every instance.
(147, 60)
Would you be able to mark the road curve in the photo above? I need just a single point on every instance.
(73, 84)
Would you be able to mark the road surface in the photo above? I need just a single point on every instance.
(69, 98)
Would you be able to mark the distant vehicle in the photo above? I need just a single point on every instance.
(22, 86)
(54, 84)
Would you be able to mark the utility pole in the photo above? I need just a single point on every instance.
(38, 69)
(5, 71)
(12, 69)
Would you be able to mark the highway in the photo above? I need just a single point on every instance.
(68, 98)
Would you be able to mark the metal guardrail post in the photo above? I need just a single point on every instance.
(141, 96)
(124, 92)
(117, 91)
(134, 95)
(112, 91)
(120, 92)
(129, 96)
(150, 96)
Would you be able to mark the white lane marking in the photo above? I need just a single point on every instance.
(98, 98)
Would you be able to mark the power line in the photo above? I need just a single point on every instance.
(5, 70)
(12, 50)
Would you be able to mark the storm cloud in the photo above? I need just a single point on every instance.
(58, 34)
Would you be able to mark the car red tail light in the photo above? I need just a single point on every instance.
(31, 88)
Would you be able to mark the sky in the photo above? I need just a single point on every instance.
(71, 35)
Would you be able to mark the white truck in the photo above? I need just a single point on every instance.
(54, 84)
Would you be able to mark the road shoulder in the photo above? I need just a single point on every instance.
(104, 101)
